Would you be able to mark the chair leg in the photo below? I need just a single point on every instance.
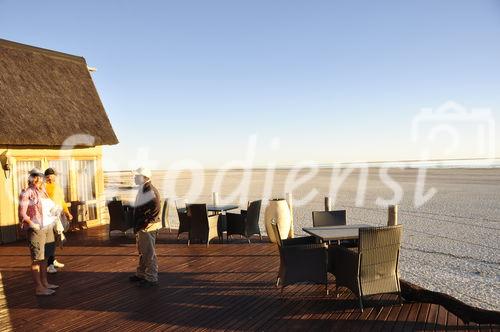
(360, 296)
(400, 299)
(260, 238)
(248, 239)
(277, 282)
(189, 241)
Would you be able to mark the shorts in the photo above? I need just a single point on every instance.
(38, 240)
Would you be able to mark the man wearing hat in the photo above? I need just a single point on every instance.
(55, 193)
(37, 219)
(146, 224)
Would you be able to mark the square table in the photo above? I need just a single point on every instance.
(215, 208)
(333, 233)
(221, 208)
(218, 209)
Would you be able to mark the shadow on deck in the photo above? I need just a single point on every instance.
(227, 286)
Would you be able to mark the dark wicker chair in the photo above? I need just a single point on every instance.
(202, 226)
(372, 268)
(118, 220)
(184, 220)
(246, 223)
(164, 215)
(301, 260)
(329, 218)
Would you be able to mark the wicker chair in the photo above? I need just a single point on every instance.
(184, 220)
(202, 226)
(372, 268)
(301, 260)
(246, 223)
(118, 220)
(164, 215)
(329, 218)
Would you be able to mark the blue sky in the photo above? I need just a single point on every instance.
(330, 80)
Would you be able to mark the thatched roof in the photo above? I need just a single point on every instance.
(46, 97)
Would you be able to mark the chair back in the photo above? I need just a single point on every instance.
(117, 218)
(180, 203)
(164, 213)
(276, 232)
(252, 218)
(329, 218)
(181, 207)
(198, 216)
(379, 252)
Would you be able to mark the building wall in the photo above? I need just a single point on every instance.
(9, 192)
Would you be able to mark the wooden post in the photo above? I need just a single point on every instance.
(392, 215)
(215, 198)
(328, 204)
(289, 199)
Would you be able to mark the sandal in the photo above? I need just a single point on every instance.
(46, 292)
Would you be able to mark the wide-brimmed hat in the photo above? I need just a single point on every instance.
(146, 172)
(36, 172)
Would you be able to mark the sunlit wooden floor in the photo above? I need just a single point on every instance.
(227, 286)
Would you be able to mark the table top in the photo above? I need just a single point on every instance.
(331, 233)
(216, 208)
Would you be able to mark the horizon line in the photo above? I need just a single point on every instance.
(412, 163)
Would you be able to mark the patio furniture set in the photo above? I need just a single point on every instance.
(362, 258)
(205, 222)
(202, 222)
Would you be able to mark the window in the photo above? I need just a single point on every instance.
(23, 167)
(62, 171)
(85, 185)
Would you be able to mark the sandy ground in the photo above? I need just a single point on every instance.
(451, 242)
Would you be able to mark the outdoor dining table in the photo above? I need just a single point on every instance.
(218, 209)
(221, 208)
(335, 233)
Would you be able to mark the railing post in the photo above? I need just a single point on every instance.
(392, 215)
(328, 204)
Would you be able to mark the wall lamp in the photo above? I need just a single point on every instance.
(6, 168)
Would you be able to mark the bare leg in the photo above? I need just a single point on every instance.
(43, 276)
(36, 273)
(43, 273)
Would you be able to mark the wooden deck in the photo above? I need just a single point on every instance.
(223, 287)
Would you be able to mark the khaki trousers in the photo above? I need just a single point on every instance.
(148, 264)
